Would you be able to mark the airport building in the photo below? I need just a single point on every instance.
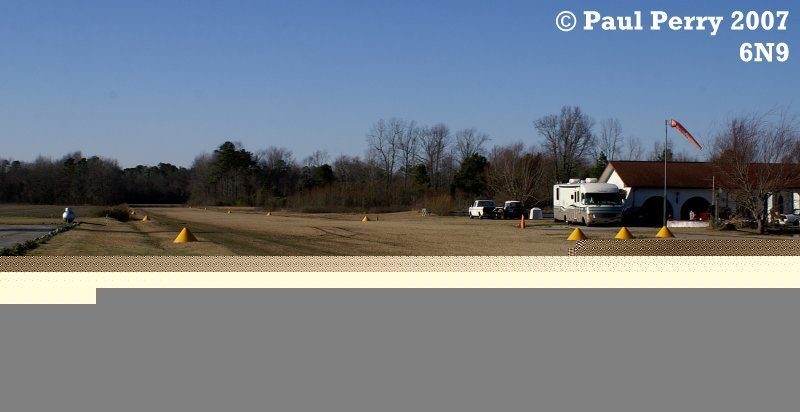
(690, 188)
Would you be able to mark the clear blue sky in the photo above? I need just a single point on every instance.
(145, 82)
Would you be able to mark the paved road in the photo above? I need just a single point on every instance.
(10, 235)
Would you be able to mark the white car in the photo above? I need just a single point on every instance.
(790, 219)
(482, 209)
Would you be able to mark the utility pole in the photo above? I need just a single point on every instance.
(665, 172)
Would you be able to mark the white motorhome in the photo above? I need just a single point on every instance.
(587, 202)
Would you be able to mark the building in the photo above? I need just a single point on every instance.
(689, 189)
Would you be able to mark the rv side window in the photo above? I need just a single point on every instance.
(557, 193)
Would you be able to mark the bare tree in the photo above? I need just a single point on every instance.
(657, 154)
(408, 147)
(316, 159)
(199, 185)
(568, 139)
(754, 155)
(350, 170)
(274, 157)
(517, 173)
(397, 129)
(279, 173)
(434, 142)
(634, 148)
(610, 138)
(383, 142)
(447, 170)
(469, 142)
(684, 156)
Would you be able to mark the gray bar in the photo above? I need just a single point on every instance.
(405, 350)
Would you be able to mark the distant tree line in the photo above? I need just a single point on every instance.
(406, 165)
(75, 179)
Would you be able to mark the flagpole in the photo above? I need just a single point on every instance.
(665, 172)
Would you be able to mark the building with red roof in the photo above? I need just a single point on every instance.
(689, 189)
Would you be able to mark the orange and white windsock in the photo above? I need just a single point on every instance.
(688, 135)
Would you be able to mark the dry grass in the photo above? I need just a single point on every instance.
(248, 231)
(251, 232)
(50, 213)
(98, 237)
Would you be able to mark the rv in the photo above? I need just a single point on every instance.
(587, 202)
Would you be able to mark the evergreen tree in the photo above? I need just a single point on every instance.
(471, 178)
(599, 166)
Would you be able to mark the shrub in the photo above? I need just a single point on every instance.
(741, 222)
(20, 248)
(119, 212)
(440, 204)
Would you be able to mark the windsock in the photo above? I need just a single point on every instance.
(688, 135)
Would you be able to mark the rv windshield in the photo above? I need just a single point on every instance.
(602, 199)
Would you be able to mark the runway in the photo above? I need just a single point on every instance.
(10, 235)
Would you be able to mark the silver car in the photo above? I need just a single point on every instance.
(790, 219)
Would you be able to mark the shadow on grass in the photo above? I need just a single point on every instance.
(91, 223)
(178, 231)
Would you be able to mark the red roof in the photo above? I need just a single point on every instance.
(686, 175)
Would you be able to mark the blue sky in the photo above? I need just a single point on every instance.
(161, 81)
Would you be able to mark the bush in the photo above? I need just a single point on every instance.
(19, 249)
(741, 222)
(119, 212)
(440, 204)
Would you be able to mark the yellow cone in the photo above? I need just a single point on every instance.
(365, 219)
(185, 236)
(624, 233)
(577, 235)
(229, 211)
(146, 218)
(664, 232)
(269, 213)
(522, 222)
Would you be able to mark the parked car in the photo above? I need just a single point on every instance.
(790, 219)
(482, 209)
(512, 209)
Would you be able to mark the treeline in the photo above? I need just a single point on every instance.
(406, 165)
(75, 179)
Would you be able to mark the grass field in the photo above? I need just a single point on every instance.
(248, 231)
(13, 214)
